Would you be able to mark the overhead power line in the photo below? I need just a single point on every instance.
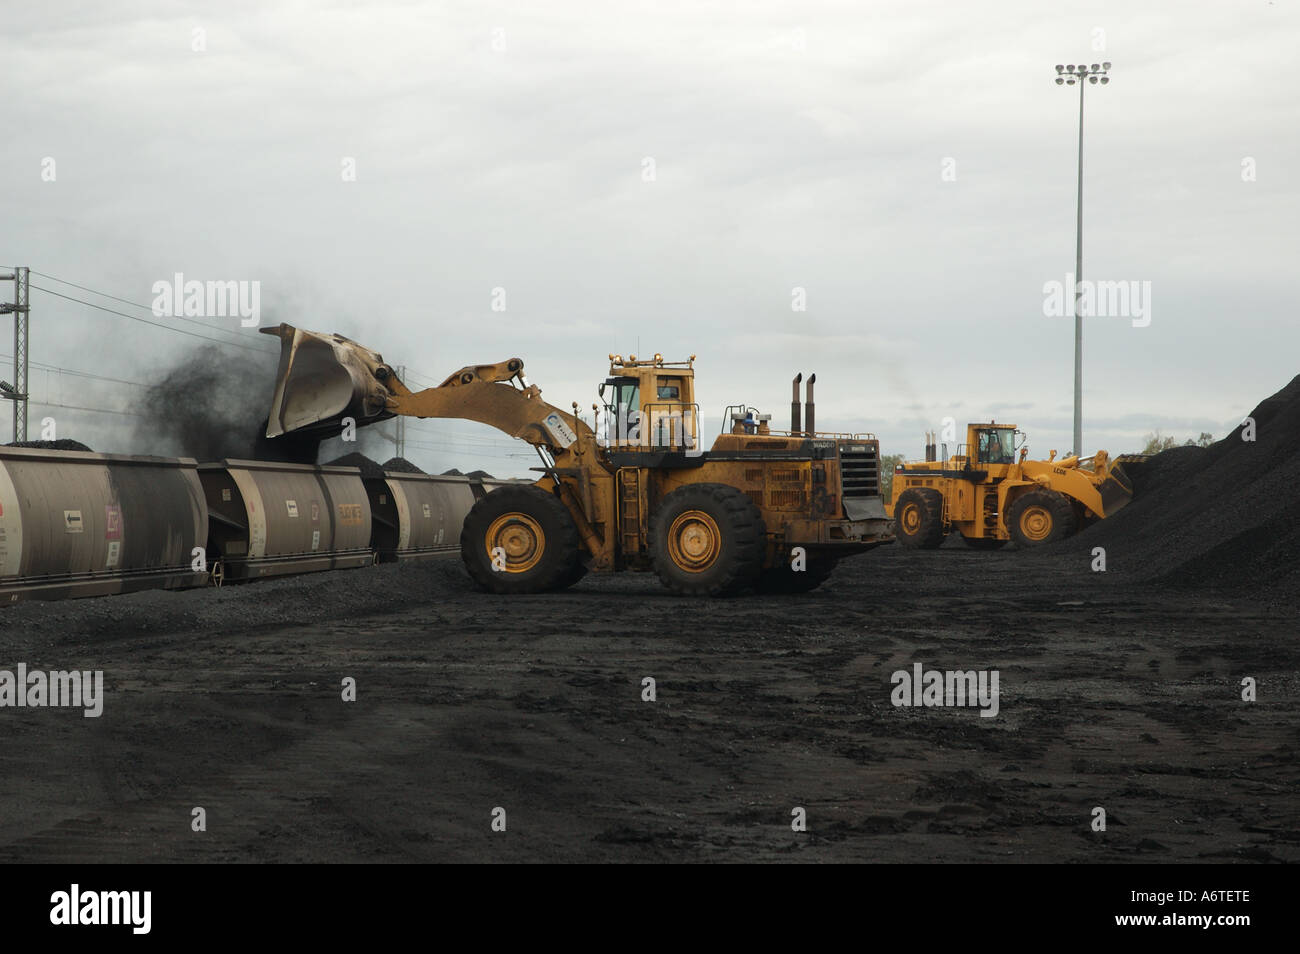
(93, 291)
(429, 380)
(136, 304)
(78, 407)
(156, 324)
(41, 366)
(447, 441)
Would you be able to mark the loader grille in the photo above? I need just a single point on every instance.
(860, 469)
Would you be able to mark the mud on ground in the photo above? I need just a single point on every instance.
(1111, 696)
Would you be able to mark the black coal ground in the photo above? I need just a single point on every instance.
(1119, 689)
(1114, 694)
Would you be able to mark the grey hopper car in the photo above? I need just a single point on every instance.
(81, 524)
(415, 516)
(270, 519)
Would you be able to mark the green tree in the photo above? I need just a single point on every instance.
(1158, 442)
(887, 464)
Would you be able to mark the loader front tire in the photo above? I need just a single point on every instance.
(707, 540)
(918, 518)
(1039, 517)
(520, 540)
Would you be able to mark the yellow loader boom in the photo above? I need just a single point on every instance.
(324, 379)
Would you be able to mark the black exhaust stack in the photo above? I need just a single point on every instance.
(812, 379)
(794, 404)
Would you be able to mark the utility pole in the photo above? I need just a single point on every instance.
(401, 421)
(1069, 76)
(17, 392)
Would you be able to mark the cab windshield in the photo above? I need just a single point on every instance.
(623, 412)
(997, 445)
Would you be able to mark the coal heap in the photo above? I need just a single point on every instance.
(61, 444)
(401, 465)
(369, 468)
(1225, 517)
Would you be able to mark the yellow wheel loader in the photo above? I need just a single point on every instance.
(760, 509)
(989, 494)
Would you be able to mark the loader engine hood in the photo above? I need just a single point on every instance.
(323, 379)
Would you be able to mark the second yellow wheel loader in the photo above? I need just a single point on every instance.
(989, 496)
(761, 509)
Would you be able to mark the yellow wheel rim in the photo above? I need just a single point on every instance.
(520, 538)
(694, 541)
(911, 518)
(1036, 523)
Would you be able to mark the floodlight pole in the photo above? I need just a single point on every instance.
(1078, 295)
(1083, 75)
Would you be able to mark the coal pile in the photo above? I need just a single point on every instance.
(369, 468)
(62, 444)
(473, 474)
(1223, 518)
(372, 468)
(1162, 469)
(401, 465)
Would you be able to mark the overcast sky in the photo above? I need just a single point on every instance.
(794, 145)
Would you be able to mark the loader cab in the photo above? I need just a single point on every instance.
(622, 397)
(650, 404)
(993, 443)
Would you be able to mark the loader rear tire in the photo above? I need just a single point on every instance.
(1039, 517)
(534, 536)
(918, 518)
(707, 540)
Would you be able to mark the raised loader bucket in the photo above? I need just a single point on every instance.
(323, 379)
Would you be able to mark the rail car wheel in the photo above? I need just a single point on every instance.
(707, 540)
(520, 540)
(918, 518)
(1041, 516)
